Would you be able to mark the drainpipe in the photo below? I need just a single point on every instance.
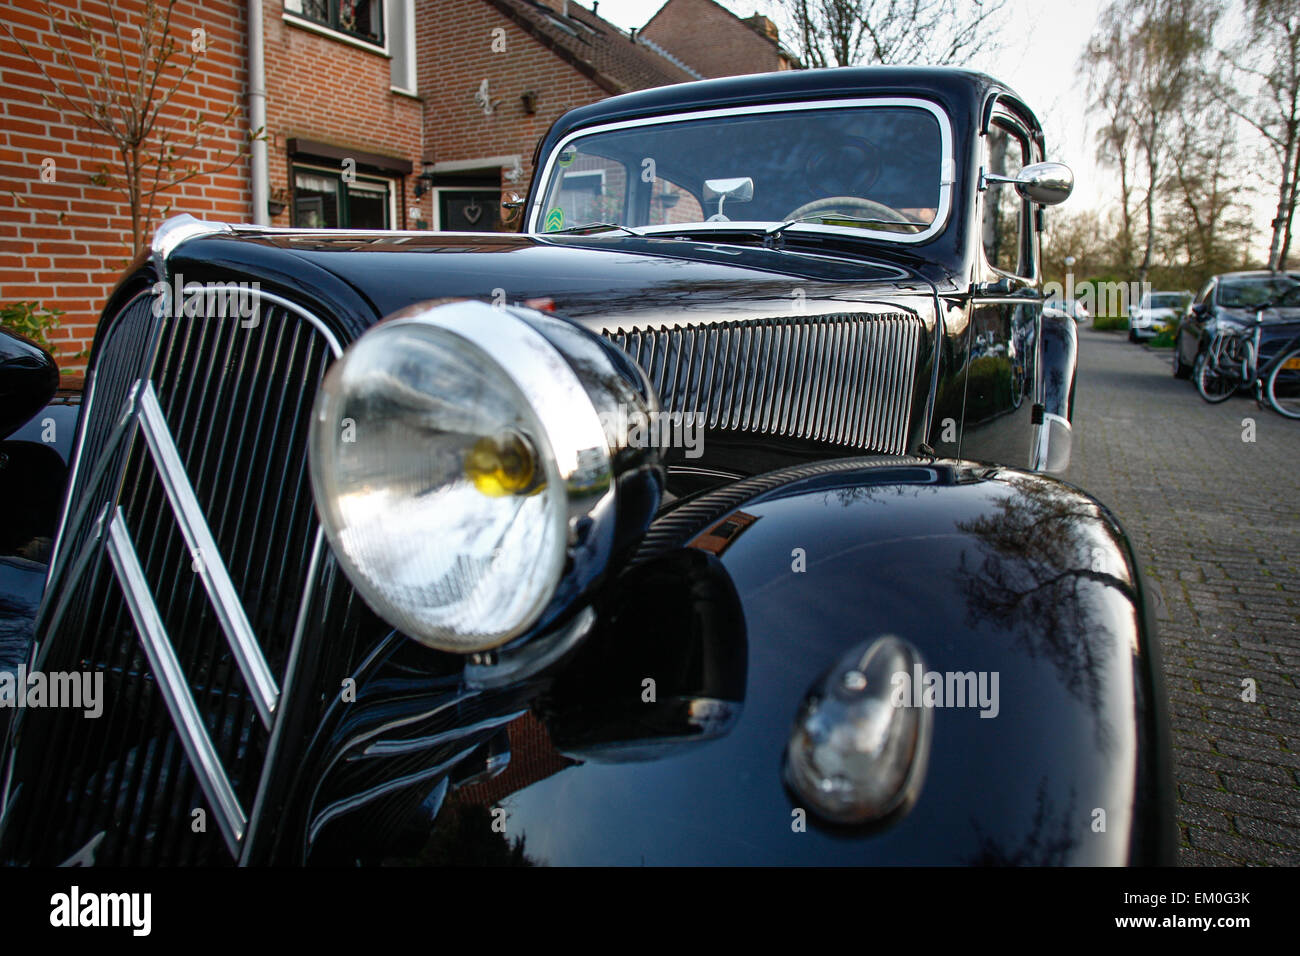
(257, 114)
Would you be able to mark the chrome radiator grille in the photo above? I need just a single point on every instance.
(845, 379)
(236, 401)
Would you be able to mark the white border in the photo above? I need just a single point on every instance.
(948, 166)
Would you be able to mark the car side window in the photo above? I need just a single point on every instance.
(592, 189)
(1006, 215)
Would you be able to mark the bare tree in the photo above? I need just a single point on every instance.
(1144, 59)
(852, 32)
(136, 69)
(1266, 63)
(1110, 92)
(1209, 225)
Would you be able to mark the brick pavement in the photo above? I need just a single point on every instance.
(1215, 521)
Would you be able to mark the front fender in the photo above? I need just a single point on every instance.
(748, 594)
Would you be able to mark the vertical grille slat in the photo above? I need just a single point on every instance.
(846, 379)
(236, 400)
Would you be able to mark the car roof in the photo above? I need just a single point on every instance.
(951, 84)
(1258, 274)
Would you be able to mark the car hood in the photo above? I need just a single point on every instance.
(592, 277)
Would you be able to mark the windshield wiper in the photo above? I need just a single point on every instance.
(776, 231)
(592, 225)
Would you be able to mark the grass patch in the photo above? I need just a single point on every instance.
(1110, 323)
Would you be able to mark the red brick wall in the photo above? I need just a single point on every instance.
(321, 88)
(455, 56)
(65, 243)
(711, 41)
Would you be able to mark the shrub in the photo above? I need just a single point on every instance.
(1109, 323)
(28, 319)
(1165, 339)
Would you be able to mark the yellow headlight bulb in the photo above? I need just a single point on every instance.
(501, 465)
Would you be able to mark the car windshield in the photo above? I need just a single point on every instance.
(1167, 300)
(879, 167)
(1263, 291)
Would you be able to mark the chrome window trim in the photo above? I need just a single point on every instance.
(947, 176)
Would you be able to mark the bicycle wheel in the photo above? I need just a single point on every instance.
(1211, 381)
(1283, 386)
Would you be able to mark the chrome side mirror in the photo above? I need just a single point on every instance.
(511, 206)
(739, 189)
(1044, 183)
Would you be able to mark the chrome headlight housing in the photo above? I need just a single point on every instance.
(467, 466)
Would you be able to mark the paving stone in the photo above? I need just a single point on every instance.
(1215, 525)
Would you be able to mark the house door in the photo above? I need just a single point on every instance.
(469, 210)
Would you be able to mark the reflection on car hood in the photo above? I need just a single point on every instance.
(591, 275)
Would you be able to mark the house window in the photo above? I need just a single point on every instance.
(324, 199)
(363, 19)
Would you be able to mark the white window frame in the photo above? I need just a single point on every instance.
(407, 41)
(313, 26)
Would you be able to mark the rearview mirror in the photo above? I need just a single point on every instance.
(739, 189)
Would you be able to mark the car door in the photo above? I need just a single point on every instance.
(1192, 327)
(1006, 306)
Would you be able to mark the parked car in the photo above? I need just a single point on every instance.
(1154, 312)
(1235, 300)
(1071, 307)
(375, 545)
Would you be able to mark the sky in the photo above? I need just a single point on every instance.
(1042, 42)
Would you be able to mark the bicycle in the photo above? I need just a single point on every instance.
(1229, 363)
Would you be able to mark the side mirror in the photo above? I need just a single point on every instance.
(511, 207)
(1044, 183)
(1200, 309)
(28, 379)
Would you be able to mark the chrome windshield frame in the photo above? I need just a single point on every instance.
(947, 168)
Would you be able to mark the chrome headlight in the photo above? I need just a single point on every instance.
(465, 462)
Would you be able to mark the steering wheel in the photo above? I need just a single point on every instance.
(851, 206)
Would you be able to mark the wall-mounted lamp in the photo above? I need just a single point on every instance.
(529, 98)
(424, 181)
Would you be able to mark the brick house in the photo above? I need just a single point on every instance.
(494, 75)
(714, 42)
(400, 114)
(344, 131)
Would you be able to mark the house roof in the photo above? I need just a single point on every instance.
(598, 49)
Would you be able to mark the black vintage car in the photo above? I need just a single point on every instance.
(703, 521)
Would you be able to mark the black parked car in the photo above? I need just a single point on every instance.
(1234, 300)
(687, 526)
